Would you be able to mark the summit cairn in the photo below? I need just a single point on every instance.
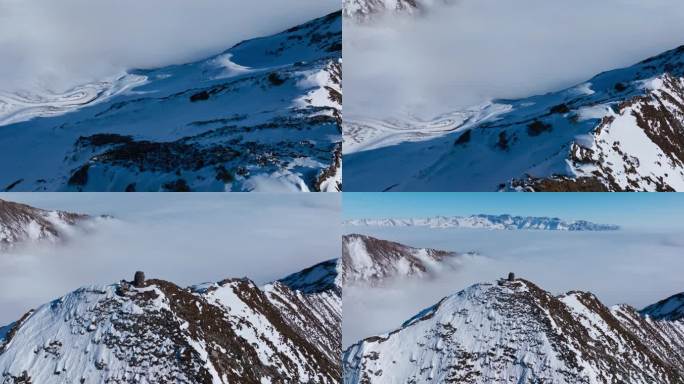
(139, 279)
(511, 276)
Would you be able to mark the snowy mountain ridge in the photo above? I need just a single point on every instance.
(227, 332)
(21, 223)
(318, 278)
(370, 261)
(507, 222)
(262, 115)
(367, 10)
(619, 131)
(671, 308)
(513, 331)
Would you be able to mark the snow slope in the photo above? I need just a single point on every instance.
(20, 223)
(671, 308)
(318, 278)
(488, 222)
(265, 115)
(365, 9)
(368, 10)
(370, 261)
(515, 332)
(620, 131)
(228, 332)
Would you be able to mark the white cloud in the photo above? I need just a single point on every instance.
(461, 55)
(184, 238)
(635, 267)
(58, 44)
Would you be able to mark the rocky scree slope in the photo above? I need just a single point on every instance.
(263, 115)
(20, 223)
(370, 261)
(488, 222)
(228, 332)
(515, 332)
(622, 130)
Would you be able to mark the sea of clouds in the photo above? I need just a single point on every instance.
(56, 45)
(184, 238)
(471, 51)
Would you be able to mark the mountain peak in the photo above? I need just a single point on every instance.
(231, 331)
(21, 222)
(671, 308)
(509, 331)
(315, 279)
(368, 260)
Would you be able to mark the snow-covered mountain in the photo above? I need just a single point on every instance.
(671, 308)
(488, 222)
(262, 115)
(318, 278)
(514, 332)
(20, 223)
(154, 331)
(622, 130)
(370, 261)
(367, 10)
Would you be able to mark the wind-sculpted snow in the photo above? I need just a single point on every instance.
(512, 331)
(228, 332)
(619, 131)
(18, 107)
(22, 223)
(264, 115)
(507, 222)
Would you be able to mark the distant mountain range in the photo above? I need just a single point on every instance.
(488, 222)
(264, 115)
(153, 331)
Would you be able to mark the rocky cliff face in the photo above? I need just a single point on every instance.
(231, 331)
(513, 331)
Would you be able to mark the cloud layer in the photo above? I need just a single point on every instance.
(184, 238)
(619, 267)
(474, 50)
(59, 44)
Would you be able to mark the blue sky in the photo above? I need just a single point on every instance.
(637, 210)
